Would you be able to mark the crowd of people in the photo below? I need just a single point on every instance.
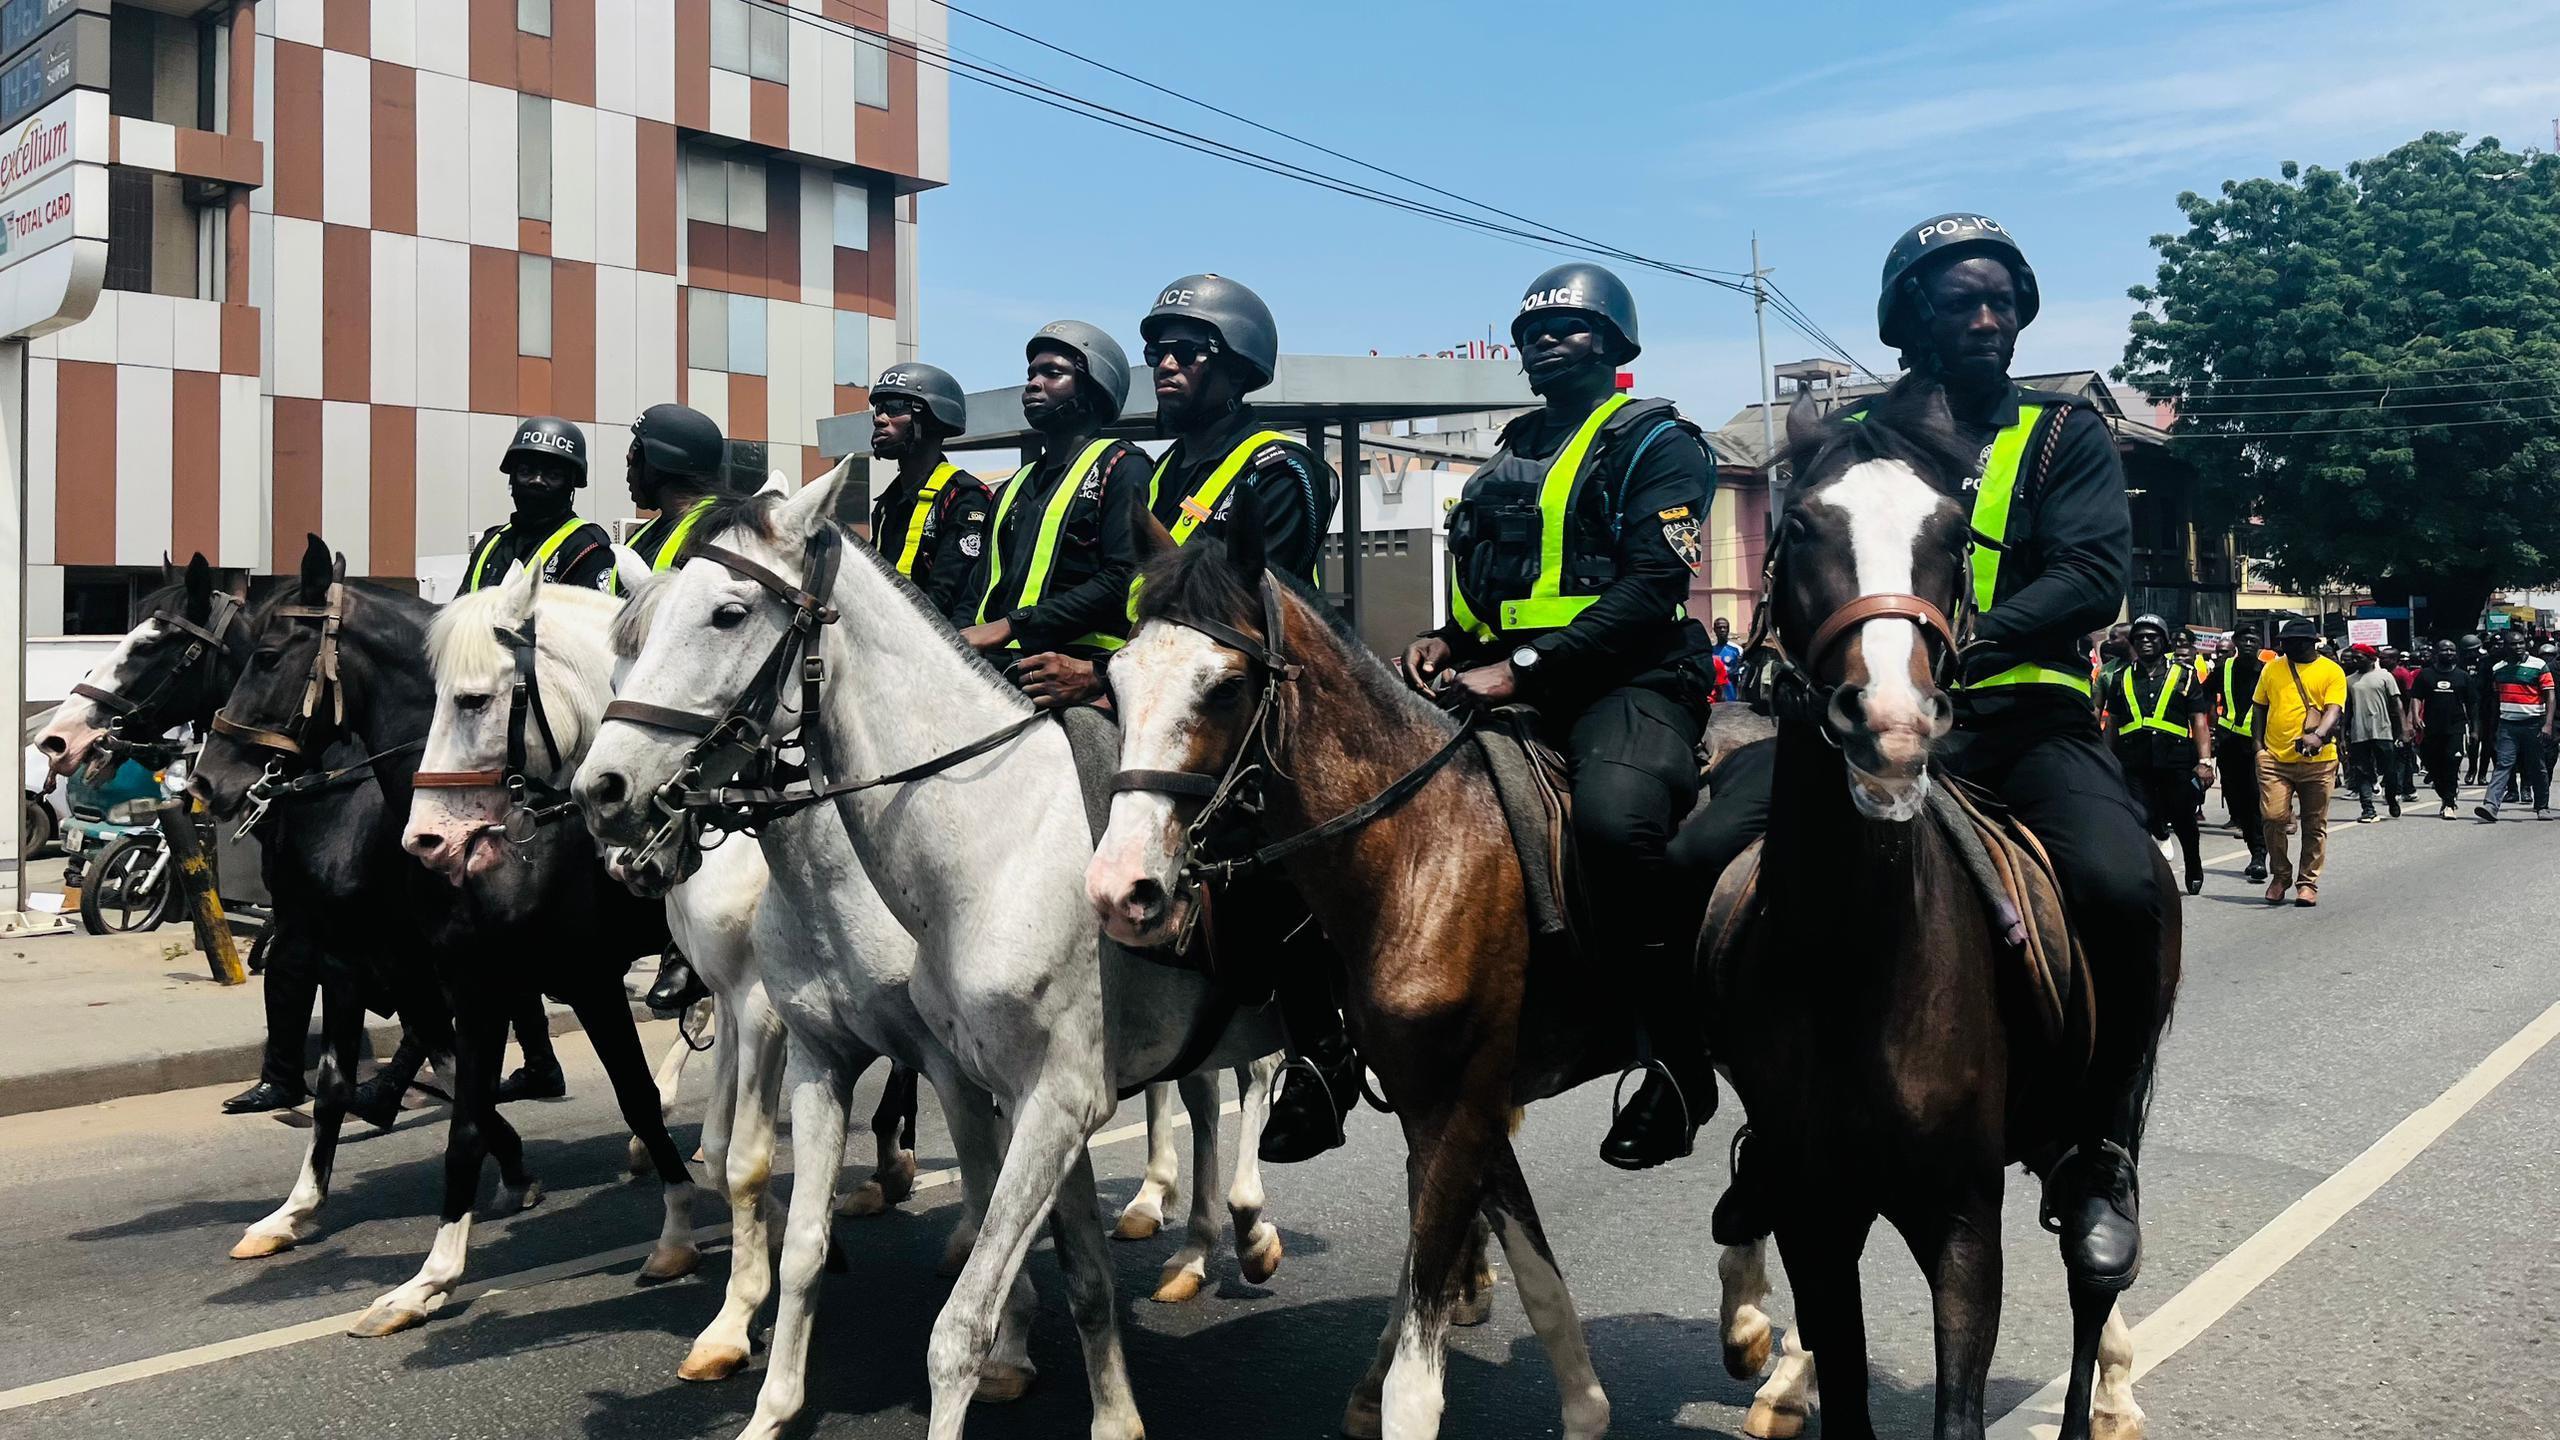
(2282, 729)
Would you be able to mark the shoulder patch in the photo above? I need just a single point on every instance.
(1274, 456)
(972, 543)
(1676, 512)
(1680, 531)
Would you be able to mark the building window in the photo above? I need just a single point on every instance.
(853, 348)
(751, 39)
(871, 72)
(97, 601)
(155, 240)
(533, 17)
(533, 305)
(128, 229)
(213, 253)
(706, 330)
(853, 217)
(746, 335)
(155, 67)
(719, 190)
(533, 157)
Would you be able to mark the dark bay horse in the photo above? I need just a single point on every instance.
(1871, 1014)
(331, 861)
(333, 659)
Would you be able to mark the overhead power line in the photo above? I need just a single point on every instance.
(2356, 429)
(2167, 384)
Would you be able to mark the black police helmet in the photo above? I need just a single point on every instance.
(1104, 362)
(933, 387)
(1930, 243)
(552, 438)
(1590, 290)
(679, 440)
(2148, 622)
(1244, 324)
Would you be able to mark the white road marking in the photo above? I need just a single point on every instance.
(2210, 1296)
(276, 1339)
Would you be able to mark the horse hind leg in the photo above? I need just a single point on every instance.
(1742, 1273)
(893, 1134)
(1075, 1226)
(2113, 1414)
(1474, 1305)
(1258, 1248)
(748, 1082)
(669, 1078)
(1143, 1216)
(1544, 1296)
(1784, 1402)
(2092, 1311)
(817, 1143)
(1188, 1270)
(606, 1016)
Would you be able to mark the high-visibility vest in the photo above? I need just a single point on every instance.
(1044, 551)
(668, 548)
(932, 491)
(541, 556)
(1547, 606)
(2235, 711)
(1202, 502)
(1991, 520)
(2172, 685)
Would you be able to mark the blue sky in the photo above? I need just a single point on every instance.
(1673, 130)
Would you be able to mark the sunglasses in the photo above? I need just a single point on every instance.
(1183, 353)
(896, 405)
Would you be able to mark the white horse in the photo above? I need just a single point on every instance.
(710, 914)
(1007, 1000)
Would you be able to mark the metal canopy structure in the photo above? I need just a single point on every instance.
(1311, 393)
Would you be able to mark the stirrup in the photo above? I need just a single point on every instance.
(2046, 1214)
(1617, 1094)
(1332, 1106)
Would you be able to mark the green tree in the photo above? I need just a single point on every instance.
(2369, 363)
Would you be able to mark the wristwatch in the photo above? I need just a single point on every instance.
(1525, 660)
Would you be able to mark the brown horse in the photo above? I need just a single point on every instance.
(1871, 1015)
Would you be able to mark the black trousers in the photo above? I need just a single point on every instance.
(2442, 753)
(2237, 758)
(1634, 753)
(2373, 764)
(293, 983)
(2168, 800)
(2068, 789)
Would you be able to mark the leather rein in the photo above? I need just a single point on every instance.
(742, 741)
(534, 802)
(203, 641)
(1240, 785)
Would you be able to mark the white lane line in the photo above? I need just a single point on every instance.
(2210, 1296)
(276, 1339)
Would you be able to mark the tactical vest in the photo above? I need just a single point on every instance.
(2172, 685)
(477, 575)
(2235, 711)
(1202, 502)
(1044, 551)
(912, 546)
(667, 549)
(1511, 554)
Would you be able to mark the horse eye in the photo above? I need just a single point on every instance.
(265, 659)
(471, 702)
(729, 616)
(1227, 691)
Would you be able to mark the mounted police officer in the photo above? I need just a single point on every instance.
(673, 468)
(1571, 553)
(2161, 720)
(931, 520)
(2050, 501)
(546, 467)
(1051, 595)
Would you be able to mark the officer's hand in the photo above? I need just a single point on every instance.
(991, 635)
(1423, 661)
(1053, 680)
(1489, 684)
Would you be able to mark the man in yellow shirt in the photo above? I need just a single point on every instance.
(2295, 713)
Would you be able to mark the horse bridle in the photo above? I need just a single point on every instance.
(287, 746)
(222, 613)
(742, 740)
(534, 801)
(1240, 784)
(1790, 681)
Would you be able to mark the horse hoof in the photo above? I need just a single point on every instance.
(1768, 1422)
(712, 1362)
(1177, 1285)
(668, 1262)
(1263, 1261)
(1472, 1308)
(1136, 1225)
(254, 1246)
(636, 1161)
(1747, 1350)
(897, 1179)
(2108, 1425)
(1361, 1419)
(1002, 1384)
(385, 1319)
(865, 1201)
(516, 1202)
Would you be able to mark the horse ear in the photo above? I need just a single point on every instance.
(199, 581)
(318, 573)
(1244, 538)
(802, 514)
(1804, 424)
(628, 569)
(239, 586)
(519, 588)
(168, 569)
(1153, 539)
(776, 483)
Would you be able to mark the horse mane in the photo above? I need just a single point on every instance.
(639, 612)
(1909, 423)
(463, 652)
(755, 514)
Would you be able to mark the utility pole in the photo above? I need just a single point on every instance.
(1768, 392)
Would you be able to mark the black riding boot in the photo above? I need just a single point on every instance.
(677, 986)
(2093, 1198)
(291, 988)
(1679, 1092)
(377, 1099)
(1321, 1082)
(1745, 1211)
(540, 1077)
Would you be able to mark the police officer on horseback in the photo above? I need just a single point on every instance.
(1571, 554)
(931, 520)
(673, 468)
(2053, 545)
(546, 467)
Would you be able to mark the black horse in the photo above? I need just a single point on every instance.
(330, 858)
(332, 660)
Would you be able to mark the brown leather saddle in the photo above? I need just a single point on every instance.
(1534, 783)
(2046, 977)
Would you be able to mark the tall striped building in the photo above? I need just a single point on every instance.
(352, 240)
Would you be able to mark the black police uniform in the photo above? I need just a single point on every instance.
(1623, 687)
(2230, 684)
(1294, 489)
(1083, 606)
(2159, 765)
(584, 558)
(954, 525)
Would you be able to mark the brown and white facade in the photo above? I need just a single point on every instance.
(354, 240)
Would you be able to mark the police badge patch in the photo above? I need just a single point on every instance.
(972, 543)
(1680, 531)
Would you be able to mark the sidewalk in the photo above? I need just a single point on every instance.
(99, 1017)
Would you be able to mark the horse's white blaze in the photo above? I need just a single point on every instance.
(78, 721)
(1886, 503)
(1172, 670)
